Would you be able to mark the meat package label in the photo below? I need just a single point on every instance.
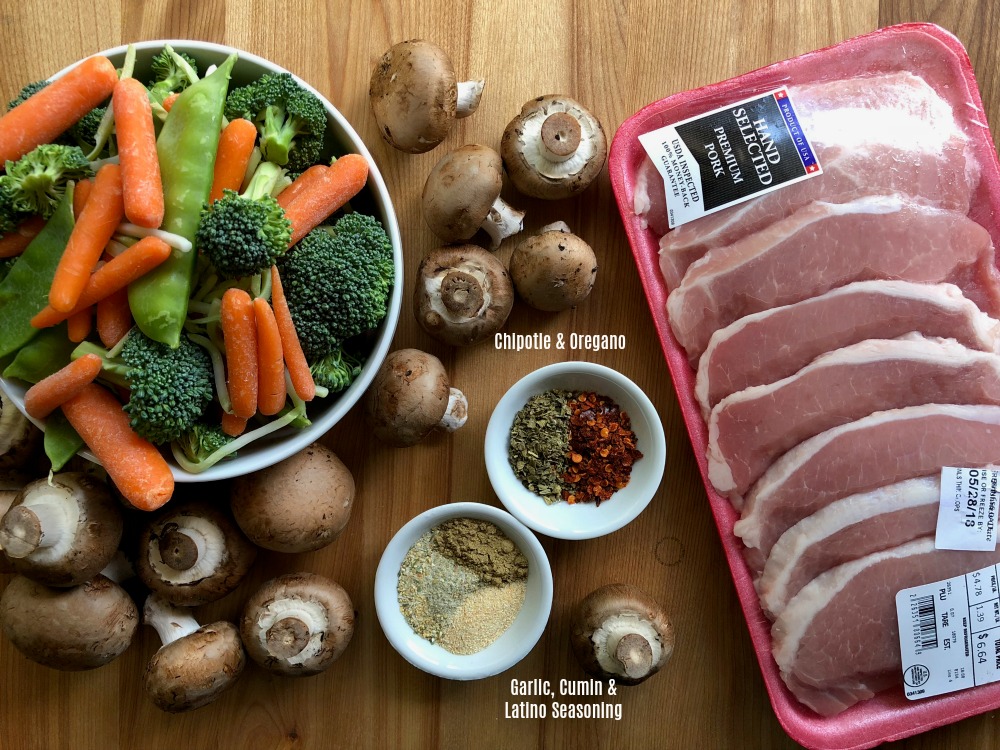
(967, 515)
(949, 634)
(729, 155)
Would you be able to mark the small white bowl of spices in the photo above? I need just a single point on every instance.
(463, 591)
(575, 450)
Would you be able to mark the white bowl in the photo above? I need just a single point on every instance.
(580, 520)
(374, 199)
(504, 652)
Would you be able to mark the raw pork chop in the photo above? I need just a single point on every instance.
(826, 245)
(882, 448)
(858, 127)
(837, 641)
(776, 343)
(750, 429)
(845, 530)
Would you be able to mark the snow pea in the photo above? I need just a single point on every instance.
(43, 355)
(186, 149)
(61, 441)
(25, 290)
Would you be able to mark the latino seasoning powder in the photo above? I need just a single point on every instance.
(572, 446)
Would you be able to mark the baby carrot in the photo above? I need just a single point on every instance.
(44, 116)
(233, 425)
(340, 182)
(78, 325)
(81, 191)
(239, 331)
(117, 273)
(235, 146)
(134, 464)
(101, 216)
(168, 102)
(270, 364)
(13, 243)
(114, 318)
(291, 347)
(45, 396)
(315, 172)
(141, 186)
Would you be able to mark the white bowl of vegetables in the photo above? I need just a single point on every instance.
(342, 356)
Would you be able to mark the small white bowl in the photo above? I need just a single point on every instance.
(374, 199)
(580, 520)
(504, 652)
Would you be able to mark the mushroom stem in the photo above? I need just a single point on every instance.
(560, 136)
(469, 94)
(502, 221)
(556, 226)
(457, 411)
(293, 629)
(171, 623)
(189, 548)
(287, 637)
(24, 529)
(462, 293)
(180, 550)
(634, 654)
(119, 569)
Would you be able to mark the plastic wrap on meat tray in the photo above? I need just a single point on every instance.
(896, 121)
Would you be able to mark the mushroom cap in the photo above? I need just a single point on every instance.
(98, 530)
(460, 191)
(71, 629)
(606, 604)
(553, 270)
(463, 294)
(192, 589)
(194, 670)
(297, 624)
(298, 505)
(536, 174)
(11, 484)
(20, 440)
(407, 398)
(413, 95)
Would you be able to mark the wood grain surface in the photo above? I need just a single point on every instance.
(616, 56)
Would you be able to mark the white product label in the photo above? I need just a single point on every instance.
(949, 634)
(967, 515)
(729, 155)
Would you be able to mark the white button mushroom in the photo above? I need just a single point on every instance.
(553, 270)
(463, 295)
(82, 627)
(297, 624)
(619, 632)
(554, 148)
(193, 553)
(462, 196)
(63, 531)
(415, 97)
(195, 664)
(410, 396)
(298, 505)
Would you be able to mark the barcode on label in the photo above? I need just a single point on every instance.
(926, 622)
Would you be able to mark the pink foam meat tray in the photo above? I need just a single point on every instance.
(940, 58)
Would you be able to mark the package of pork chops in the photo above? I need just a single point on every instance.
(816, 242)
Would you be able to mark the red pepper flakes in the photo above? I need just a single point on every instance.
(602, 449)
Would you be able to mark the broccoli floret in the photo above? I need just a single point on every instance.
(84, 133)
(32, 88)
(335, 289)
(337, 370)
(170, 389)
(37, 181)
(369, 236)
(244, 234)
(169, 75)
(202, 441)
(288, 117)
(10, 215)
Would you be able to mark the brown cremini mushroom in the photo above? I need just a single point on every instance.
(554, 148)
(193, 553)
(298, 505)
(553, 270)
(415, 97)
(298, 624)
(72, 629)
(20, 440)
(410, 396)
(463, 294)
(195, 664)
(462, 196)
(619, 632)
(62, 531)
